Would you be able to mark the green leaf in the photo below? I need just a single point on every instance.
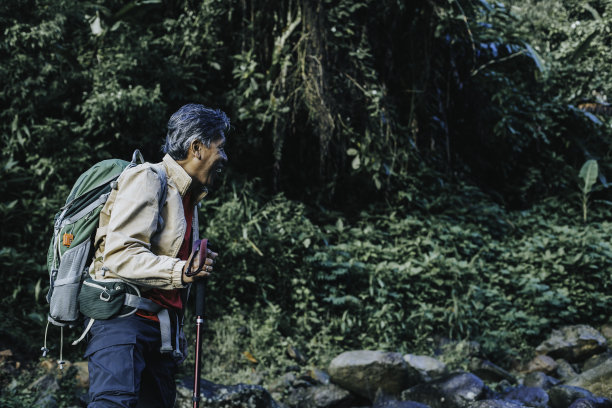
(536, 58)
(592, 10)
(588, 173)
(356, 163)
(377, 183)
(582, 47)
(14, 124)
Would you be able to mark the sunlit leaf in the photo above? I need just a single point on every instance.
(588, 174)
(96, 25)
(249, 357)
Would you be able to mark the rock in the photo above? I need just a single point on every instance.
(224, 396)
(325, 396)
(428, 367)
(539, 379)
(503, 386)
(562, 396)
(46, 382)
(295, 354)
(393, 403)
(573, 343)
(45, 388)
(455, 391)
(45, 401)
(302, 382)
(529, 396)
(542, 363)
(282, 383)
(488, 371)
(319, 376)
(495, 404)
(321, 396)
(597, 380)
(384, 401)
(565, 371)
(591, 403)
(596, 360)
(364, 372)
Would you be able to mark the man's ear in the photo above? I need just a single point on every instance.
(196, 148)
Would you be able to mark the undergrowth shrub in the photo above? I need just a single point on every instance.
(399, 279)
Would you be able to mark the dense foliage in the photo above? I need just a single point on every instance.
(400, 171)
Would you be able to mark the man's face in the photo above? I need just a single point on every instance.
(212, 161)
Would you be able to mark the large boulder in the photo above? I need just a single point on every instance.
(322, 396)
(534, 397)
(490, 372)
(384, 401)
(427, 367)
(598, 379)
(562, 396)
(455, 391)
(596, 360)
(542, 363)
(364, 372)
(565, 371)
(573, 343)
(539, 379)
(591, 403)
(226, 396)
(495, 404)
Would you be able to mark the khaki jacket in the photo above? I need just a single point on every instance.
(137, 242)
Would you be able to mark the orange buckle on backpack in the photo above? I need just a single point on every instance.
(67, 240)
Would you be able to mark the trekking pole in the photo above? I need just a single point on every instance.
(200, 286)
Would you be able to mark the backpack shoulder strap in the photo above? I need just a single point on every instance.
(163, 179)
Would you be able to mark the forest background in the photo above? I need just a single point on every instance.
(401, 172)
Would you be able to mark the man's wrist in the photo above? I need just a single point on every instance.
(177, 274)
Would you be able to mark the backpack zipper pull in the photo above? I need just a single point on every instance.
(44, 348)
(61, 361)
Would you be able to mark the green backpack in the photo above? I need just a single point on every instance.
(71, 249)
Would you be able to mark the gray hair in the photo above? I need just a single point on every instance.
(193, 122)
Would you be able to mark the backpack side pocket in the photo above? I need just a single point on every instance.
(65, 286)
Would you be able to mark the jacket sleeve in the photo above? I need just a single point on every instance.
(133, 221)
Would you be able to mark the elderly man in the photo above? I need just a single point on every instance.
(144, 238)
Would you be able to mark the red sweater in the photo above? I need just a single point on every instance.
(171, 299)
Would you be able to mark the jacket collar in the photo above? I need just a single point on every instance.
(181, 178)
